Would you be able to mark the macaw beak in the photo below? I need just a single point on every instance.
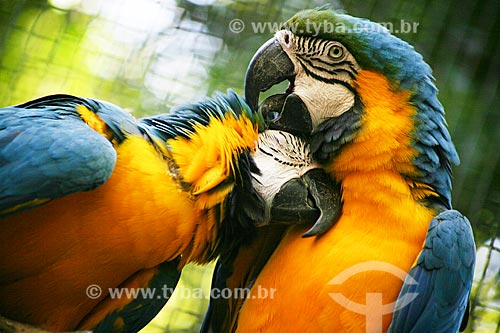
(269, 66)
(314, 198)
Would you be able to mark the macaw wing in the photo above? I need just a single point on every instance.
(239, 270)
(47, 153)
(435, 294)
(141, 297)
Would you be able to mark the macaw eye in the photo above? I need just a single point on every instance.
(272, 115)
(336, 52)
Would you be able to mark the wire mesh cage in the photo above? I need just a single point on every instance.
(148, 56)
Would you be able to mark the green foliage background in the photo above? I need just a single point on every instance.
(148, 55)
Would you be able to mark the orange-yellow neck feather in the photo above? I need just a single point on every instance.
(146, 203)
(383, 141)
(207, 162)
(372, 167)
(207, 158)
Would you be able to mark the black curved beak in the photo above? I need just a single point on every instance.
(269, 66)
(286, 113)
(313, 198)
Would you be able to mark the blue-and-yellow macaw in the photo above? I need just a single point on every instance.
(282, 156)
(399, 258)
(92, 198)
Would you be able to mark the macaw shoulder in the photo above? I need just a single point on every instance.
(47, 155)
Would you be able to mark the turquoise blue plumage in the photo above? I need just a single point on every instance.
(48, 152)
(441, 279)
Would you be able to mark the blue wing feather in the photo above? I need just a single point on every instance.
(443, 275)
(47, 151)
(181, 121)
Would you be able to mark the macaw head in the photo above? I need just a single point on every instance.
(295, 188)
(361, 94)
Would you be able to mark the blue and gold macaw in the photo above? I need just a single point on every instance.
(399, 258)
(283, 156)
(92, 199)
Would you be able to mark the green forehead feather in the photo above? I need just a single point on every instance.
(304, 20)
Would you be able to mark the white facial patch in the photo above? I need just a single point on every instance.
(316, 71)
(281, 157)
(323, 100)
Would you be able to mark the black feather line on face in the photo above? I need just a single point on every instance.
(334, 133)
(325, 79)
